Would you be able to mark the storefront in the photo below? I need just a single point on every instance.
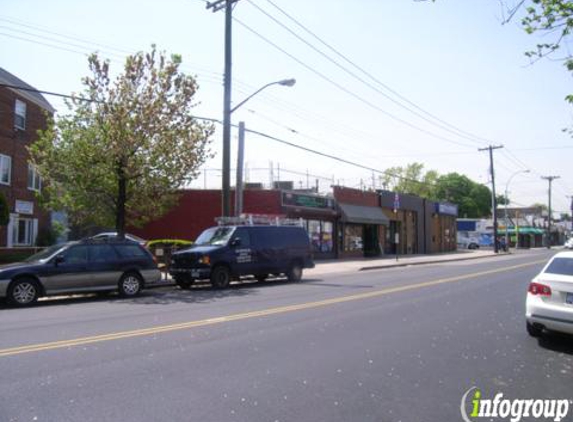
(443, 228)
(362, 230)
(406, 215)
(318, 215)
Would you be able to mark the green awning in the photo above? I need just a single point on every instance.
(360, 214)
(526, 230)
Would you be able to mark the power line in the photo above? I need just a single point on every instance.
(263, 135)
(359, 78)
(348, 91)
(373, 78)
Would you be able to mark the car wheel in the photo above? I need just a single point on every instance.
(130, 285)
(23, 292)
(220, 277)
(295, 272)
(184, 283)
(534, 330)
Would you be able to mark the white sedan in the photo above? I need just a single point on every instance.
(549, 303)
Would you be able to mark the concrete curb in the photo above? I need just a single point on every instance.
(435, 261)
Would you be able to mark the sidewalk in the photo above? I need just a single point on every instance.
(332, 266)
(389, 261)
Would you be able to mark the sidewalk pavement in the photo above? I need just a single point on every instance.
(389, 261)
(332, 266)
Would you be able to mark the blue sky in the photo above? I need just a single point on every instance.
(453, 59)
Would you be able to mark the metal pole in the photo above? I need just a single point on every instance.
(240, 159)
(550, 179)
(226, 206)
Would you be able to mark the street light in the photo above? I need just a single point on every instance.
(506, 199)
(227, 146)
(284, 82)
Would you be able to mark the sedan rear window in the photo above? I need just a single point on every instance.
(561, 266)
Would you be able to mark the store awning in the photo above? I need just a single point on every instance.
(362, 215)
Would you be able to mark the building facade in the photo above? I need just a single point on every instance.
(22, 114)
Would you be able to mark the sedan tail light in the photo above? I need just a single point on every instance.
(539, 289)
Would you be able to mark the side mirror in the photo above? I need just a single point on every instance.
(236, 242)
(59, 259)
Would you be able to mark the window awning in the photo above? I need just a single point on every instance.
(361, 214)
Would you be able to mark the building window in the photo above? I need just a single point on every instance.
(321, 235)
(34, 179)
(24, 231)
(20, 115)
(5, 169)
(353, 238)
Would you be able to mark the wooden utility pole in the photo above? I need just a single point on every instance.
(228, 6)
(493, 198)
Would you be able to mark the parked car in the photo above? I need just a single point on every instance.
(78, 267)
(465, 241)
(114, 236)
(549, 303)
(569, 243)
(229, 252)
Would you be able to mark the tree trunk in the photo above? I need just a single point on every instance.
(121, 199)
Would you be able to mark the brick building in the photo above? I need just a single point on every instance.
(22, 114)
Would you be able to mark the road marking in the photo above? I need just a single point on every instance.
(247, 315)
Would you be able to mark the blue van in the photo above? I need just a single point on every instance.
(221, 254)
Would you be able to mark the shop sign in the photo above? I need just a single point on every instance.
(448, 209)
(308, 201)
(24, 207)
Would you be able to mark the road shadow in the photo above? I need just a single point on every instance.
(201, 292)
(557, 342)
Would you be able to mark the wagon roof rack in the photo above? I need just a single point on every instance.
(259, 219)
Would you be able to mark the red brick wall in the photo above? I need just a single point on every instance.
(197, 210)
(355, 196)
(13, 143)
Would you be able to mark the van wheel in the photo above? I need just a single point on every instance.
(295, 272)
(184, 283)
(130, 285)
(23, 292)
(220, 277)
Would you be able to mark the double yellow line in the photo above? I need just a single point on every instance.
(247, 315)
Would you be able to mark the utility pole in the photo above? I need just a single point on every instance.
(240, 161)
(493, 198)
(228, 6)
(550, 179)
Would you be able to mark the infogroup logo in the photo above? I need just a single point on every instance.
(514, 410)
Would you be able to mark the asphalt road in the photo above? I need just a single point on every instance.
(400, 344)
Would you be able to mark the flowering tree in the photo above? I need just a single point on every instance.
(126, 145)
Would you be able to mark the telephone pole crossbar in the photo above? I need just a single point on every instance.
(490, 148)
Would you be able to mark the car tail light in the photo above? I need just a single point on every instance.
(539, 289)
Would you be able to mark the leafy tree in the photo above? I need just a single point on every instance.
(473, 199)
(126, 145)
(502, 200)
(410, 179)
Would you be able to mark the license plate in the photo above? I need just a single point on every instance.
(569, 298)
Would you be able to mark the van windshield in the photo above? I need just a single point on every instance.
(217, 236)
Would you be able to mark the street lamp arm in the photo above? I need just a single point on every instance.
(285, 82)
